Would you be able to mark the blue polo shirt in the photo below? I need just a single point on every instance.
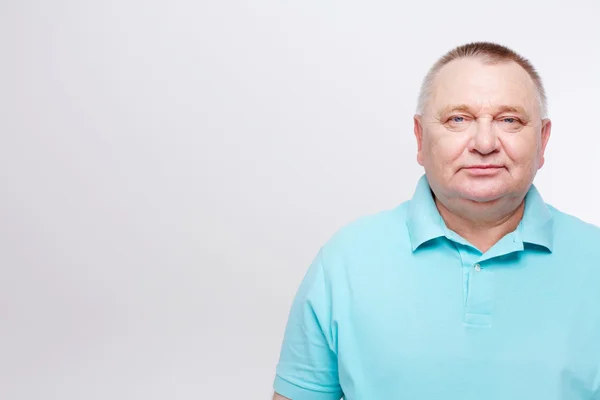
(397, 306)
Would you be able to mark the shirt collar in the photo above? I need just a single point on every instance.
(537, 226)
(425, 223)
(424, 220)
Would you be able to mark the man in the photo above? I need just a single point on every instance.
(473, 289)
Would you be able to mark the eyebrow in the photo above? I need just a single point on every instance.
(498, 110)
(455, 107)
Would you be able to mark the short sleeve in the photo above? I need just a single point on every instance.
(308, 368)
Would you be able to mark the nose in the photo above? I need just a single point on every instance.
(484, 139)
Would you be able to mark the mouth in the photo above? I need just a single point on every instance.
(483, 170)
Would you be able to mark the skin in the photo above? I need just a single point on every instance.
(481, 139)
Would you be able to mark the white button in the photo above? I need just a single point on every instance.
(477, 267)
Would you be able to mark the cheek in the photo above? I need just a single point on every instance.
(522, 150)
(446, 149)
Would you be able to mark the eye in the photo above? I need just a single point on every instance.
(509, 124)
(458, 123)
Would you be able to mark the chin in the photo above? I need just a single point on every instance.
(482, 193)
(482, 197)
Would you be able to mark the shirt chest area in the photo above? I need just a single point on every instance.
(510, 325)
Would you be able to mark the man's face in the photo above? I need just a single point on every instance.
(481, 137)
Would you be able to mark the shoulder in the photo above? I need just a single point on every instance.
(577, 244)
(366, 236)
(570, 228)
(577, 254)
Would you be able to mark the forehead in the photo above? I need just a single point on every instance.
(483, 86)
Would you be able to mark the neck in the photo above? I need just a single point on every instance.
(483, 225)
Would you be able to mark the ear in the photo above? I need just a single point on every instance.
(546, 128)
(418, 128)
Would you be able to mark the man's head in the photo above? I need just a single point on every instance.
(481, 126)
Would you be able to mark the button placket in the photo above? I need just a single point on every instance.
(480, 298)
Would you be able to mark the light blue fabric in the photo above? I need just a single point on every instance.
(396, 306)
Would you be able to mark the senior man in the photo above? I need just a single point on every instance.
(473, 289)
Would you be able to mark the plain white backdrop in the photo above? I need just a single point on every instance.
(169, 170)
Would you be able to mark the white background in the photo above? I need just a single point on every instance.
(169, 170)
